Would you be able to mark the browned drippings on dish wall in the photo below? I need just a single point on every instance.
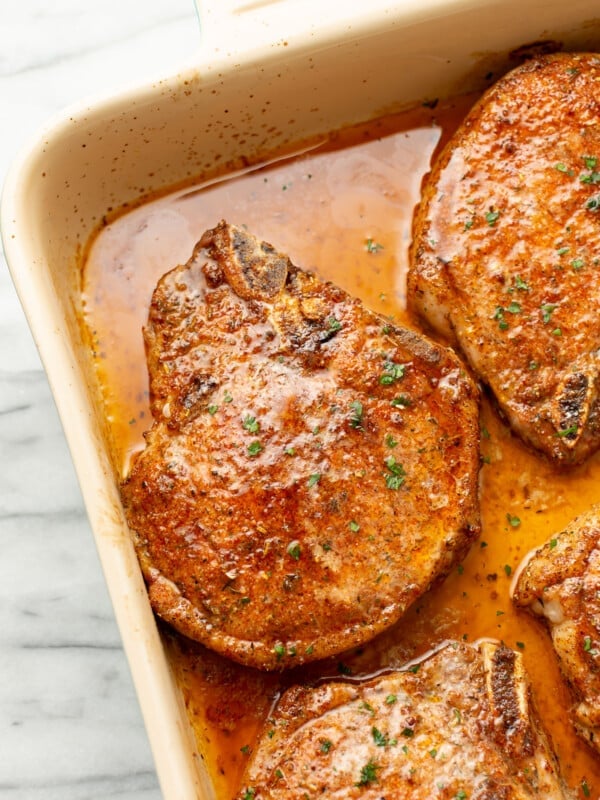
(343, 209)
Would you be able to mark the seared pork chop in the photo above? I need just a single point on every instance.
(312, 468)
(457, 725)
(561, 582)
(505, 260)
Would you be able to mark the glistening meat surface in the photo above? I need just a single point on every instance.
(457, 725)
(506, 253)
(312, 468)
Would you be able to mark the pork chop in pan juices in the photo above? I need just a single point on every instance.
(505, 260)
(311, 469)
(457, 725)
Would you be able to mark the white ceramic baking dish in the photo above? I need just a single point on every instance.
(278, 72)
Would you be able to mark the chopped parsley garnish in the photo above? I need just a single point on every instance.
(461, 795)
(408, 733)
(553, 543)
(379, 738)
(547, 310)
(356, 414)
(563, 168)
(354, 526)
(326, 745)
(567, 431)
(514, 308)
(390, 441)
(593, 204)
(212, 410)
(334, 324)
(368, 774)
(250, 424)
(587, 643)
(520, 645)
(293, 550)
(227, 398)
(372, 246)
(469, 223)
(289, 451)
(401, 401)
(279, 651)
(514, 522)
(533, 365)
(254, 448)
(499, 315)
(519, 284)
(578, 263)
(392, 373)
(397, 474)
(491, 217)
(249, 794)
(391, 699)
(562, 251)
(508, 570)
(314, 479)
(245, 749)
(585, 788)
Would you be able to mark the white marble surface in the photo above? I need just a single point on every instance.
(70, 725)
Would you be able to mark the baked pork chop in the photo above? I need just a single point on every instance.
(561, 582)
(457, 725)
(505, 260)
(311, 468)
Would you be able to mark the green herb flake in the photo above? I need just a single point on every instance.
(254, 448)
(289, 451)
(469, 223)
(380, 739)
(372, 246)
(397, 474)
(408, 733)
(392, 373)
(279, 650)
(278, 774)
(593, 204)
(310, 649)
(390, 441)
(249, 794)
(514, 308)
(334, 324)
(508, 570)
(343, 669)
(433, 752)
(414, 669)
(356, 414)
(326, 745)
(457, 716)
(245, 749)
(227, 398)
(557, 332)
(560, 167)
(401, 401)
(492, 217)
(562, 251)
(533, 365)
(547, 310)
(368, 774)
(520, 645)
(585, 788)
(293, 550)
(212, 410)
(571, 431)
(354, 526)
(314, 479)
(587, 643)
(461, 795)
(513, 521)
(578, 263)
(520, 285)
(250, 424)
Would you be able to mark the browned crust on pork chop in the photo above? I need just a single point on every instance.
(560, 581)
(459, 724)
(312, 468)
(505, 260)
